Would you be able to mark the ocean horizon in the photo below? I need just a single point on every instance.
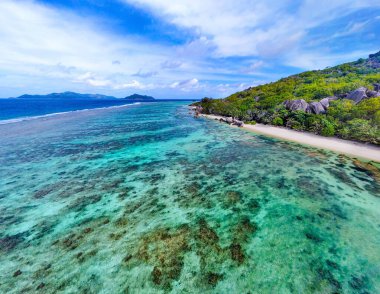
(17, 109)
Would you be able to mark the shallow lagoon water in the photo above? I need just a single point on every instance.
(148, 199)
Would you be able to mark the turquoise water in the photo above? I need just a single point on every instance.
(148, 199)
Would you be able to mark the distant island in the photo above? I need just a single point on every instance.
(73, 95)
(137, 97)
(67, 95)
(341, 101)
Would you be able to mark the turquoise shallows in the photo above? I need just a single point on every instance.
(148, 199)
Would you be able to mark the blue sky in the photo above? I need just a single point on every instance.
(175, 49)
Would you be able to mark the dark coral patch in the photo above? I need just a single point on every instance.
(233, 197)
(237, 253)
(213, 278)
(358, 283)
(206, 234)
(156, 275)
(9, 242)
(369, 168)
(244, 230)
(165, 250)
(313, 237)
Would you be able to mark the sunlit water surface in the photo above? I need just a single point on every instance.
(148, 199)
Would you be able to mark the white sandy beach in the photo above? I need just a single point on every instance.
(351, 148)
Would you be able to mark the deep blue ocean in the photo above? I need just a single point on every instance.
(20, 108)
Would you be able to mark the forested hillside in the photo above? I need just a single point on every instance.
(342, 101)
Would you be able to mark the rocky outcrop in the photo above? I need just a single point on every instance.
(362, 93)
(358, 95)
(325, 103)
(313, 107)
(232, 121)
(238, 123)
(321, 107)
(294, 105)
(316, 108)
(372, 94)
(374, 60)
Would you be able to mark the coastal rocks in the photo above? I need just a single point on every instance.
(294, 105)
(232, 121)
(313, 107)
(372, 94)
(363, 93)
(316, 108)
(321, 107)
(238, 123)
(229, 120)
(325, 102)
(198, 110)
(357, 95)
(374, 61)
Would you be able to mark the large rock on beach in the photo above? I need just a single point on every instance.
(238, 123)
(229, 120)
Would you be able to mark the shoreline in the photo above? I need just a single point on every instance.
(350, 148)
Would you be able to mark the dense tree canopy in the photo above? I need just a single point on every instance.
(344, 119)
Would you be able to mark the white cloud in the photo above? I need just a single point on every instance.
(146, 74)
(44, 49)
(37, 41)
(250, 28)
(187, 85)
(171, 64)
(132, 85)
(253, 67)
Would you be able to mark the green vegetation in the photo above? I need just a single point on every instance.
(344, 119)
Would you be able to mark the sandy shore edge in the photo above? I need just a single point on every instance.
(350, 148)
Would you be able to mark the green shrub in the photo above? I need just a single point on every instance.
(278, 121)
(328, 129)
(361, 130)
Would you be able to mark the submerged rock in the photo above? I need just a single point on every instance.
(213, 278)
(237, 253)
(368, 168)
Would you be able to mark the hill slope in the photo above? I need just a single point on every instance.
(342, 101)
